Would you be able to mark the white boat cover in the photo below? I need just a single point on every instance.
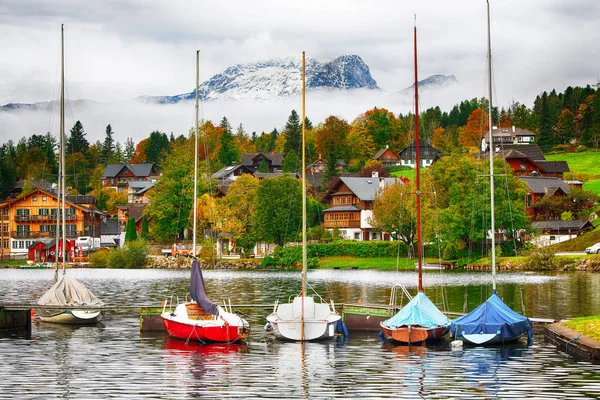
(69, 292)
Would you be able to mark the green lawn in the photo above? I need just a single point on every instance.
(592, 186)
(587, 326)
(406, 173)
(12, 264)
(585, 162)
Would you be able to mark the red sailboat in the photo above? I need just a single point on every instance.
(201, 319)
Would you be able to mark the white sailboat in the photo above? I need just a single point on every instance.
(201, 319)
(303, 319)
(68, 295)
(493, 322)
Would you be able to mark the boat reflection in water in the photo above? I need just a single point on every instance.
(195, 347)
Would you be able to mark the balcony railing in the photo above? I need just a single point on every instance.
(21, 217)
(38, 234)
(344, 223)
(43, 218)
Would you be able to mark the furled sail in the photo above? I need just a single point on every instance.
(198, 291)
(420, 311)
(67, 291)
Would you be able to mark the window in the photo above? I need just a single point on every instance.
(5, 243)
(44, 198)
(15, 244)
(22, 230)
(21, 244)
(552, 238)
(71, 230)
(356, 235)
(34, 198)
(43, 211)
(45, 228)
(373, 235)
(528, 200)
(22, 214)
(523, 167)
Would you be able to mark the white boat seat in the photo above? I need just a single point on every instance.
(309, 307)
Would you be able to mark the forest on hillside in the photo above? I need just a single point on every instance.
(564, 121)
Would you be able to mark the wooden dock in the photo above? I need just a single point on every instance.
(356, 316)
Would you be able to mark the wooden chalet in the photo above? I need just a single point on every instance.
(118, 176)
(350, 201)
(552, 232)
(387, 157)
(32, 218)
(427, 154)
(540, 186)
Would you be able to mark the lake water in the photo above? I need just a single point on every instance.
(113, 360)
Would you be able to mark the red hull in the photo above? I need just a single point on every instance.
(219, 334)
(414, 335)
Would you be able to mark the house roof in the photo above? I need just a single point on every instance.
(140, 187)
(68, 201)
(110, 227)
(135, 211)
(80, 199)
(276, 158)
(380, 153)
(576, 225)
(365, 188)
(553, 166)
(542, 184)
(139, 170)
(425, 150)
(226, 171)
(532, 151)
(512, 131)
(343, 208)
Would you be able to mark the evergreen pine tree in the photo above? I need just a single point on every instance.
(145, 234)
(108, 148)
(129, 149)
(157, 143)
(76, 142)
(119, 155)
(293, 134)
(229, 152)
(545, 137)
(130, 233)
(274, 136)
(308, 124)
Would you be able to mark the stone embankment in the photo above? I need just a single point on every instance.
(591, 264)
(185, 262)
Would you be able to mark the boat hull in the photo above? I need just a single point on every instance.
(486, 339)
(189, 322)
(70, 316)
(313, 330)
(414, 334)
(319, 320)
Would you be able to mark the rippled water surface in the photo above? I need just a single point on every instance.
(114, 360)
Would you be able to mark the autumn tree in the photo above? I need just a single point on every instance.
(139, 155)
(238, 208)
(374, 166)
(565, 128)
(393, 211)
(477, 126)
(278, 213)
(172, 198)
(331, 141)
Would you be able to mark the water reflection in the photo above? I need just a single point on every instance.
(112, 359)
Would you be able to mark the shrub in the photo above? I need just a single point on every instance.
(99, 259)
(133, 255)
(450, 252)
(581, 148)
(541, 258)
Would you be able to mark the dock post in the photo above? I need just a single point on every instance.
(15, 320)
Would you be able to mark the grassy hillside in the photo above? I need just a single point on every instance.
(584, 166)
(406, 173)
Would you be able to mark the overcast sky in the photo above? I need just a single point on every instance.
(118, 50)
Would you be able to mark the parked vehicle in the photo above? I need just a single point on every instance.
(595, 249)
(177, 249)
(87, 243)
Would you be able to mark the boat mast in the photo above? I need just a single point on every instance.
(304, 252)
(417, 169)
(491, 152)
(196, 158)
(61, 150)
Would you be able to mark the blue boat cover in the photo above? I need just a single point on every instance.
(419, 311)
(198, 291)
(493, 316)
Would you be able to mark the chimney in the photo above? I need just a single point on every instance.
(534, 173)
(513, 129)
(387, 147)
(375, 174)
(381, 183)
